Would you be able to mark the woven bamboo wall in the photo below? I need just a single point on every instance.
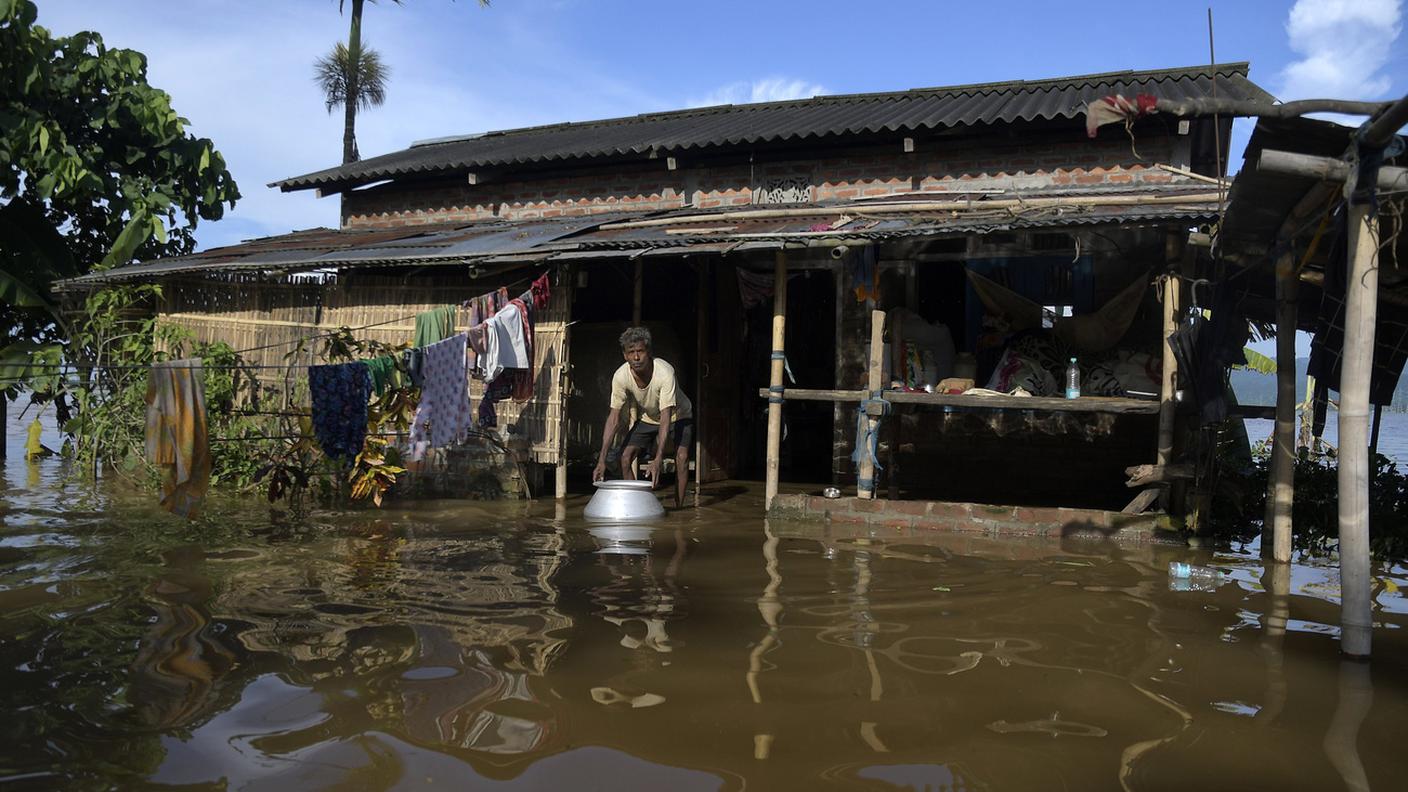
(269, 318)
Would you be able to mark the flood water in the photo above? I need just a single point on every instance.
(512, 646)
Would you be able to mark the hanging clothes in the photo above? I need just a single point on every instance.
(414, 360)
(522, 378)
(444, 414)
(384, 373)
(541, 292)
(339, 395)
(435, 325)
(505, 345)
(177, 440)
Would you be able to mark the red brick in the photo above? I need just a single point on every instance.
(912, 507)
(867, 506)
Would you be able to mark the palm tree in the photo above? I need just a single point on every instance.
(352, 82)
(353, 77)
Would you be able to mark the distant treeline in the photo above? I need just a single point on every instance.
(1255, 388)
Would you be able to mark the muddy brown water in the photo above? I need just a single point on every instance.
(513, 646)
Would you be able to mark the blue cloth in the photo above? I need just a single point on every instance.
(339, 395)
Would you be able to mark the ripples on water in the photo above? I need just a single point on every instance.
(465, 645)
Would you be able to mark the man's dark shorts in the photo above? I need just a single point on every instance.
(645, 435)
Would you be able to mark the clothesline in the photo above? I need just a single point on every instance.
(61, 368)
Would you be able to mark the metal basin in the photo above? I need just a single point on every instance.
(624, 500)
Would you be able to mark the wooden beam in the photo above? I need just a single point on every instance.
(1276, 531)
(1141, 502)
(1357, 360)
(779, 339)
(1085, 404)
(1144, 475)
(1325, 168)
(865, 482)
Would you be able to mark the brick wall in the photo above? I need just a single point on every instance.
(853, 173)
(903, 516)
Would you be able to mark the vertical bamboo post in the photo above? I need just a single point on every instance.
(1170, 371)
(865, 482)
(1173, 254)
(779, 337)
(701, 347)
(4, 425)
(1281, 485)
(564, 391)
(1361, 313)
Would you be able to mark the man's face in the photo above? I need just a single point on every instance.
(638, 355)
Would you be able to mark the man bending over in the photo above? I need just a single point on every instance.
(666, 415)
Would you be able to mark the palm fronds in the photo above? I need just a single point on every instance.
(331, 71)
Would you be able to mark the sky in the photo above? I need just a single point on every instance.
(241, 72)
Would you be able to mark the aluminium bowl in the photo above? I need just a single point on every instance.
(624, 501)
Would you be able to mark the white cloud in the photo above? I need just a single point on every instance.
(1343, 45)
(768, 89)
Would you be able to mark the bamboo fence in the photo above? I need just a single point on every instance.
(269, 318)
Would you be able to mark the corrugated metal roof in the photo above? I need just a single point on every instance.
(504, 241)
(323, 247)
(822, 116)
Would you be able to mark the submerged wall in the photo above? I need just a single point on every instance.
(977, 518)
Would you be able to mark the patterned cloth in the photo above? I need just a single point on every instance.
(339, 395)
(444, 414)
(177, 442)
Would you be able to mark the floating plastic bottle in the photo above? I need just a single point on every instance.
(1190, 577)
(1073, 380)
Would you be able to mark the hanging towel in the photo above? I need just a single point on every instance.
(339, 395)
(434, 325)
(384, 374)
(504, 343)
(444, 413)
(523, 377)
(177, 442)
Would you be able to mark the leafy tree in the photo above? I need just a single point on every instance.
(96, 169)
(341, 75)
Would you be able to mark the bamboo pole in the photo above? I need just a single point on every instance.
(1325, 168)
(1167, 406)
(921, 206)
(779, 337)
(1281, 486)
(701, 346)
(564, 390)
(1361, 313)
(865, 482)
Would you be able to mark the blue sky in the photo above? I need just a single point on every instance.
(241, 71)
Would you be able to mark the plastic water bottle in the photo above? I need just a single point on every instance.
(1189, 577)
(1073, 380)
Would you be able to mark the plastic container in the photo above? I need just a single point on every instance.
(1190, 577)
(1072, 380)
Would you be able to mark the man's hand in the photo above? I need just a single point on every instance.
(652, 472)
(599, 472)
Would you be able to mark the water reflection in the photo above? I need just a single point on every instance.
(452, 646)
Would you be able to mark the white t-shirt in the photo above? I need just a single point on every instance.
(660, 392)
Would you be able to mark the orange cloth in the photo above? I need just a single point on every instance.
(177, 442)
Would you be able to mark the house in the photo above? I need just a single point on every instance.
(685, 220)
